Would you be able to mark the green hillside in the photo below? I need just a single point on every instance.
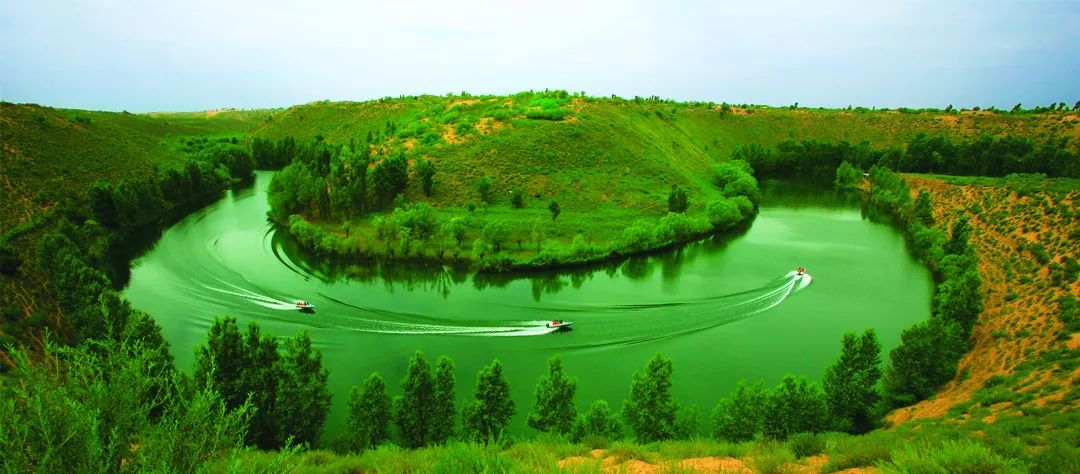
(51, 156)
(606, 162)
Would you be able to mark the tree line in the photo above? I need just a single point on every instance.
(76, 251)
(929, 351)
(986, 155)
(425, 413)
(336, 181)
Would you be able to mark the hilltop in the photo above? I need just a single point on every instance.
(609, 165)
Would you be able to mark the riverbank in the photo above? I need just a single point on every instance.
(572, 243)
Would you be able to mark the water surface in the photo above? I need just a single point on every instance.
(724, 309)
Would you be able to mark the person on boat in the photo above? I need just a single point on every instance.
(800, 271)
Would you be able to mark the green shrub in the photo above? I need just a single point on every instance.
(860, 451)
(807, 444)
(773, 458)
(962, 456)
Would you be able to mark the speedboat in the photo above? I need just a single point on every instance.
(800, 271)
(304, 306)
(559, 324)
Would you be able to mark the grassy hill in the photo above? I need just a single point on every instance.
(610, 151)
(50, 157)
(606, 162)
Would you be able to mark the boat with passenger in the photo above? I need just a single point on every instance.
(559, 324)
(303, 305)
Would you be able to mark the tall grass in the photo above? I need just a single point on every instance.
(955, 457)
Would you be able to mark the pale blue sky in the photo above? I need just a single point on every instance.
(195, 54)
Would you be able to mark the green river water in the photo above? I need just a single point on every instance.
(723, 309)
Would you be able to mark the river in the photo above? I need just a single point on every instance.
(723, 309)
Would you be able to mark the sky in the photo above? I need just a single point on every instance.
(191, 55)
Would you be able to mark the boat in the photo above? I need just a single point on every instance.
(304, 306)
(558, 324)
(800, 271)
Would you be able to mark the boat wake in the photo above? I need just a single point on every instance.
(619, 324)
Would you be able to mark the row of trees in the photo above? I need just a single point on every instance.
(337, 182)
(929, 351)
(986, 155)
(425, 412)
(286, 393)
(132, 203)
(76, 252)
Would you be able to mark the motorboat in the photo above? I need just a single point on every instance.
(304, 306)
(800, 271)
(559, 324)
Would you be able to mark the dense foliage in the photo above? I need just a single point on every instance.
(851, 384)
(370, 409)
(488, 415)
(987, 155)
(288, 392)
(553, 400)
(650, 412)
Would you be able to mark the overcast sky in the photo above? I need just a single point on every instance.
(195, 54)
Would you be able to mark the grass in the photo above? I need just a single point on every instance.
(607, 162)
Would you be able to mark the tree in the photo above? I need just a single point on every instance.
(851, 383)
(517, 198)
(794, 406)
(723, 213)
(425, 170)
(221, 362)
(553, 401)
(1019, 107)
(924, 211)
(370, 409)
(677, 200)
(455, 228)
(444, 410)
(487, 417)
(961, 233)
(537, 233)
(483, 186)
(496, 232)
(738, 416)
(687, 421)
(599, 422)
(555, 210)
(847, 176)
(925, 359)
(415, 408)
(650, 411)
(303, 395)
(390, 177)
(259, 379)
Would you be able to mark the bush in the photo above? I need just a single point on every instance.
(961, 456)
(723, 213)
(678, 200)
(807, 444)
(774, 458)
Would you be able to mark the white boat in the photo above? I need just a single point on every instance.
(558, 324)
(304, 306)
(800, 271)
